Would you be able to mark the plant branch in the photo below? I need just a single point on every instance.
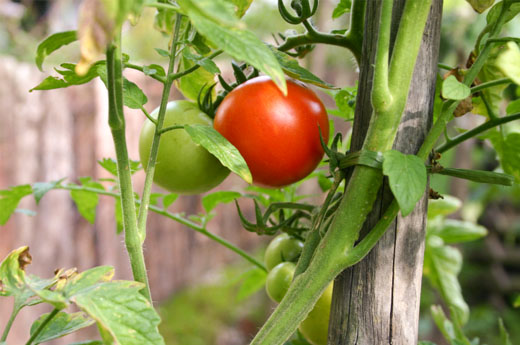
(175, 76)
(357, 27)
(141, 68)
(179, 219)
(489, 84)
(150, 169)
(117, 125)
(381, 95)
(7, 328)
(476, 131)
(40, 328)
(445, 66)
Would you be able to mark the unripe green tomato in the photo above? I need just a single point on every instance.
(316, 326)
(282, 248)
(279, 280)
(182, 166)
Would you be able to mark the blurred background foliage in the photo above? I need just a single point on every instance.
(207, 311)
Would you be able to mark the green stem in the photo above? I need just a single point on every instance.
(141, 68)
(178, 75)
(150, 169)
(489, 84)
(116, 121)
(148, 116)
(381, 95)
(175, 217)
(318, 37)
(170, 128)
(357, 27)
(476, 131)
(444, 66)
(504, 40)
(40, 328)
(7, 328)
(163, 6)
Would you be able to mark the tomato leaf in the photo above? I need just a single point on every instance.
(516, 302)
(342, 8)
(456, 231)
(68, 77)
(346, 102)
(41, 188)
(53, 43)
(443, 207)
(86, 201)
(507, 61)
(494, 13)
(506, 147)
(218, 146)
(504, 335)
(453, 89)
(191, 84)
(513, 107)
(133, 96)
(293, 69)
(481, 5)
(407, 176)
(154, 69)
(241, 7)
(169, 199)
(9, 199)
(202, 61)
(213, 20)
(253, 280)
(442, 264)
(122, 311)
(210, 201)
(60, 325)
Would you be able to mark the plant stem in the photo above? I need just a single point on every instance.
(444, 66)
(449, 107)
(381, 95)
(49, 317)
(150, 170)
(178, 75)
(175, 217)
(7, 328)
(357, 26)
(476, 131)
(491, 83)
(140, 68)
(116, 121)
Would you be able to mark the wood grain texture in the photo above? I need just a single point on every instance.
(377, 301)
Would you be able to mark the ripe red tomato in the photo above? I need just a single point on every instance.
(277, 135)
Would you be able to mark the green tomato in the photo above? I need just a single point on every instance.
(279, 280)
(282, 248)
(182, 166)
(316, 326)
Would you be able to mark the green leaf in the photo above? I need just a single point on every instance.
(442, 264)
(210, 201)
(118, 214)
(218, 146)
(68, 77)
(508, 62)
(346, 102)
(241, 7)
(164, 19)
(162, 52)
(191, 84)
(9, 200)
(507, 151)
(121, 310)
(454, 89)
(12, 274)
(342, 8)
(252, 281)
(504, 336)
(53, 43)
(89, 342)
(481, 5)
(169, 199)
(516, 302)
(85, 280)
(133, 96)
(494, 13)
(60, 325)
(456, 231)
(443, 207)
(202, 61)
(41, 188)
(86, 201)
(292, 68)
(211, 19)
(513, 107)
(443, 323)
(407, 177)
(154, 69)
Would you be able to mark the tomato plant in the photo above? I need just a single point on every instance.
(278, 136)
(182, 166)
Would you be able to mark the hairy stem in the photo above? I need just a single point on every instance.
(116, 121)
(150, 169)
(7, 328)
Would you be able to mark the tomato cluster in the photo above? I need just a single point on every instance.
(280, 259)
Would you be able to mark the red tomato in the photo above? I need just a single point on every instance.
(277, 135)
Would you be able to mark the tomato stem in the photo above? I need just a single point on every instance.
(150, 169)
(117, 125)
(44, 323)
